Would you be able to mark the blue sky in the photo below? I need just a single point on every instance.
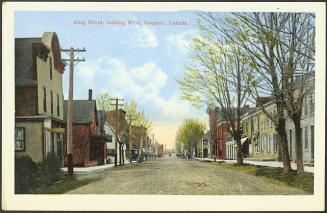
(135, 62)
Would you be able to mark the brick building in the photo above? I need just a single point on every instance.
(39, 122)
(219, 130)
(89, 145)
(222, 132)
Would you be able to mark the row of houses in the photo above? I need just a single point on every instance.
(260, 138)
(41, 111)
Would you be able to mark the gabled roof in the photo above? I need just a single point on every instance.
(83, 111)
(26, 50)
(24, 73)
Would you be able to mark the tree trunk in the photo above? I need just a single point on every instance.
(239, 151)
(284, 146)
(299, 149)
(279, 152)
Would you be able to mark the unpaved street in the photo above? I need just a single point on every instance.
(172, 176)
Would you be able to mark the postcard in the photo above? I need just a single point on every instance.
(163, 106)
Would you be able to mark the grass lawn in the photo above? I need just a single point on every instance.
(64, 186)
(275, 175)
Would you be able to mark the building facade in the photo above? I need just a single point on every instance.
(89, 146)
(260, 132)
(307, 127)
(109, 129)
(39, 121)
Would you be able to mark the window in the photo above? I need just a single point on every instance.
(58, 109)
(111, 152)
(47, 142)
(255, 124)
(306, 137)
(305, 105)
(275, 138)
(44, 100)
(268, 143)
(262, 144)
(267, 123)
(50, 65)
(312, 106)
(19, 139)
(51, 103)
(301, 135)
(110, 139)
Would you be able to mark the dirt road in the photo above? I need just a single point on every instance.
(172, 176)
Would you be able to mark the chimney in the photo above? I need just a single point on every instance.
(90, 94)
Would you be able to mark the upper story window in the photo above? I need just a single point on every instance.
(305, 105)
(306, 137)
(311, 104)
(50, 66)
(19, 139)
(58, 109)
(110, 138)
(44, 100)
(51, 102)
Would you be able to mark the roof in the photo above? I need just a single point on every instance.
(83, 111)
(24, 60)
(263, 100)
(26, 50)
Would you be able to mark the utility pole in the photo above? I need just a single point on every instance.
(116, 128)
(130, 118)
(141, 143)
(154, 144)
(72, 60)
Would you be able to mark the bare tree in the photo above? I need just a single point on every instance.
(295, 51)
(218, 74)
(255, 34)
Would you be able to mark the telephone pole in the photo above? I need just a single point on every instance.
(130, 118)
(116, 128)
(72, 61)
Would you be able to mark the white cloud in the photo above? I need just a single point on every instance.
(145, 38)
(145, 84)
(182, 40)
(140, 37)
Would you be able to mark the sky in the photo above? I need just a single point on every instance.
(138, 60)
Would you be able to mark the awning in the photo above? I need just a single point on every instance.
(243, 139)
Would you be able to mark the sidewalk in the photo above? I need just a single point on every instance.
(262, 163)
(89, 170)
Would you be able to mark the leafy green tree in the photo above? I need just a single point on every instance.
(190, 134)
(218, 75)
(139, 118)
(103, 102)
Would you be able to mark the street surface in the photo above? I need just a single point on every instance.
(173, 176)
